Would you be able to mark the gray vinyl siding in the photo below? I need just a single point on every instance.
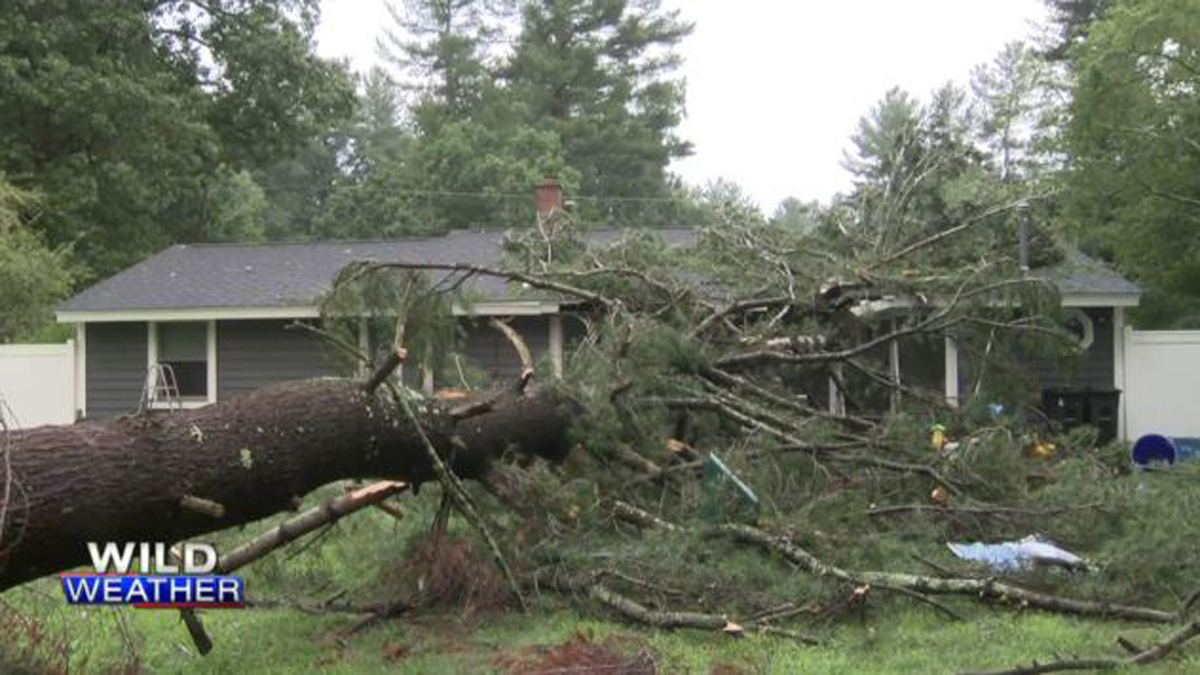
(255, 353)
(116, 367)
(487, 349)
(1093, 369)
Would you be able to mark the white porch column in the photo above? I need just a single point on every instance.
(1119, 335)
(211, 355)
(951, 371)
(80, 370)
(556, 344)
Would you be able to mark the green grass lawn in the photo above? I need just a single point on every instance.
(915, 640)
(894, 636)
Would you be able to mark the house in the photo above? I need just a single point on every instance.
(1081, 388)
(218, 315)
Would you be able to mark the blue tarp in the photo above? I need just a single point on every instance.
(1016, 555)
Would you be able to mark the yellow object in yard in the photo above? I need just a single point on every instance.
(1044, 449)
(937, 437)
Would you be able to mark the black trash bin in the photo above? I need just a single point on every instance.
(1075, 407)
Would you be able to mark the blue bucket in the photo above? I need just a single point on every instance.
(1153, 448)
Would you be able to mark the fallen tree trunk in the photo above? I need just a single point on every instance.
(126, 479)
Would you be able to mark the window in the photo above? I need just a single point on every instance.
(1080, 325)
(183, 346)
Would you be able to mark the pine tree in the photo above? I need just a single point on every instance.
(599, 74)
(1071, 19)
(1011, 93)
(440, 47)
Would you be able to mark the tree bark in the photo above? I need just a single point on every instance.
(254, 455)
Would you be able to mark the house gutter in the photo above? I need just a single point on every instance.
(487, 308)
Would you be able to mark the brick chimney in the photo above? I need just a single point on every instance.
(549, 195)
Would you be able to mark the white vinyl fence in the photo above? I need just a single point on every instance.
(1162, 383)
(38, 383)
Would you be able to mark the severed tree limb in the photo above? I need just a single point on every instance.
(731, 381)
(1128, 645)
(202, 506)
(973, 221)
(532, 280)
(390, 363)
(640, 517)
(480, 405)
(934, 602)
(589, 585)
(191, 620)
(984, 509)
(1189, 602)
(399, 354)
(514, 338)
(325, 513)
(393, 511)
(1154, 653)
(634, 460)
(338, 343)
(382, 613)
(718, 315)
(453, 489)
(989, 589)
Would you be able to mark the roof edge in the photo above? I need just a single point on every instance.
(484, 308)
(1101, 299)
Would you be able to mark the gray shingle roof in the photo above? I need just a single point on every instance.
(193, 276)
(1079, 274)
(273, 275)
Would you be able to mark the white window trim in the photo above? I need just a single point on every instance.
(210, 362)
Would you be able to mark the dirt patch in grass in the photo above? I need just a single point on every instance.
(579, 655)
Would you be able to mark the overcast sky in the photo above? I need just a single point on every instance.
(776, 87)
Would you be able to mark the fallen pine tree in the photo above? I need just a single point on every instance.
(132, 478)
(758, 367)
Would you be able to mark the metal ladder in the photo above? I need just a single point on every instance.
(160, 386)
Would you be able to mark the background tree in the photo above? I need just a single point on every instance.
(1070, 19)
(33, 276)
(1133, 138)
(440, 46)
(130, 118)
(916, 167)
(583, 93)
(795, 214)
(598, 73)
(1013, 95)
